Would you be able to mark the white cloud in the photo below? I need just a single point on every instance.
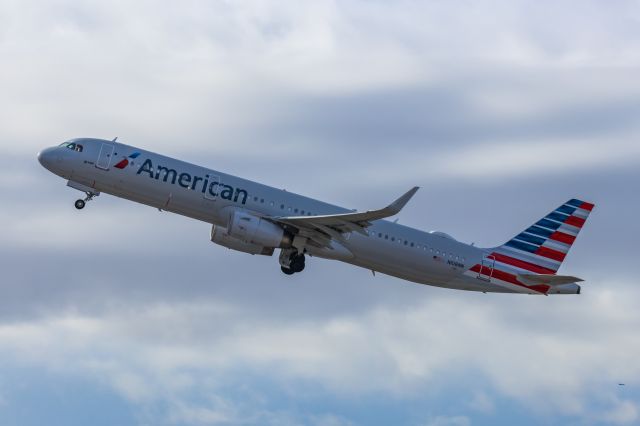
(622, 413)
(449, 421)
(329, 420)
(201, 74)
(532, 350)
(217, 411)
(481, 402)
(491, 161)
(522, 159)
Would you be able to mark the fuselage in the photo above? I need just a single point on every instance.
(206, 194)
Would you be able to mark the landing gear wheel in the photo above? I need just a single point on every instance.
(297, 263)
(79, 204)
(291, 261)
(287, 271)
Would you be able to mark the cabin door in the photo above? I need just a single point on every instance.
(486, 268)
(104, 158)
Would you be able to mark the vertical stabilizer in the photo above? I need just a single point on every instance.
(542, 247)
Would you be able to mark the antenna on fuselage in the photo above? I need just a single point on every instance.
(115, 139)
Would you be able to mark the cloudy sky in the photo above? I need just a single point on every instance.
(499, 110)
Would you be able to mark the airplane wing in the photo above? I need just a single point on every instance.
(322, 229)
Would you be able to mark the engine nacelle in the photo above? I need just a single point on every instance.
(252, 229)
(219, 235)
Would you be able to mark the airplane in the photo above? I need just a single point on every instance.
(257, 219)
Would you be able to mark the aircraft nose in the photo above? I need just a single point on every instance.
(45, 157)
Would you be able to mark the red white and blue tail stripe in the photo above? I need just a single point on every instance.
(539, 249)
(542, 247)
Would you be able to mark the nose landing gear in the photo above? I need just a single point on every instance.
(79, 204)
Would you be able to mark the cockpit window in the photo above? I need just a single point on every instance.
(72, 145)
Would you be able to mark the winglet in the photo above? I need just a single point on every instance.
(395, 207)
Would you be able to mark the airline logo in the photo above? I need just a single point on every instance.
(547, 242)
(125, 161)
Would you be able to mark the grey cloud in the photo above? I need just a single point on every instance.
(116, 249)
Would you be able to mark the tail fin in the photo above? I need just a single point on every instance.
(542, 247)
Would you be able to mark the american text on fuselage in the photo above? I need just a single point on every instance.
(195, 183)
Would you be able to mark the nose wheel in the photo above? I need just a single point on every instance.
(79, 204)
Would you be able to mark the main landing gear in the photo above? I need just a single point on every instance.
(291, 262)
(81, 203)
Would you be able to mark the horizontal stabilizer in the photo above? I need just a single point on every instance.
(547, 279)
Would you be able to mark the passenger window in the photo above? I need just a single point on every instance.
(281, 206)
(296, 210)
(393, 238)
(380, 235)
(386, 237)
(405, 242)
(413, 245)
(262, 200)
(255, 199)
(302, 212)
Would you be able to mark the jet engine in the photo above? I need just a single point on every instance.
(219, 235)
(252, 229)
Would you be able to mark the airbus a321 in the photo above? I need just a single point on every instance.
(257, 219)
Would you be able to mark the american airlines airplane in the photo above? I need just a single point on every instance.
(258, 219)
